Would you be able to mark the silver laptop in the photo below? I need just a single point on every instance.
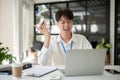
(85, 62)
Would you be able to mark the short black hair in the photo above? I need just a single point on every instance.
(64, 12)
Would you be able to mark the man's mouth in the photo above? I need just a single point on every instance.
(66, 29)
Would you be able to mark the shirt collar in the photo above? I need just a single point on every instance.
(59, 39)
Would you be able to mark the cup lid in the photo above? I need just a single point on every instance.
(17, 65)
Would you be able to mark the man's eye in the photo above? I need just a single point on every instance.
(69, 22)
(63, 22)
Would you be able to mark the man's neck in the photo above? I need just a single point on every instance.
(66, 38)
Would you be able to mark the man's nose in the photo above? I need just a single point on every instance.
(66, 24)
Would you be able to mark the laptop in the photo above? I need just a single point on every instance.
(85, 62)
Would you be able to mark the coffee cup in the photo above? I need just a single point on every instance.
(17, 69)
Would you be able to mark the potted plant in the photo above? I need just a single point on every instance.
(4, 54)
(104, 44)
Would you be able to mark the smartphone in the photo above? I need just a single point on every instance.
(112, 71)
(41, 22)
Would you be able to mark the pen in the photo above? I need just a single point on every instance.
(34, 75)
(39, 24)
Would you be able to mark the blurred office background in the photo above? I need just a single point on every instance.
(96, 19)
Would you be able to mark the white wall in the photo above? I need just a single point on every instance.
(0, 11)
(6, 23)
(11, 23)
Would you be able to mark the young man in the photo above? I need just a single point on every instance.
(54, 49)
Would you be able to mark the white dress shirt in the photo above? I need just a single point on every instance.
(56, 53)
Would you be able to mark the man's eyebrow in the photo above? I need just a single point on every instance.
(62, 20)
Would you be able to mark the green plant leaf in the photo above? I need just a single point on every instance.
(4, 54)
(102, 41)
(103, 44)
(99, 46)
(108, 45)
(119, 56)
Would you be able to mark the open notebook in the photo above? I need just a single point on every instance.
(38, 71)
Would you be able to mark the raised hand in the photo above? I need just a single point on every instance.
(42, 28)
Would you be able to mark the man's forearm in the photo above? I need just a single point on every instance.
(47, 40)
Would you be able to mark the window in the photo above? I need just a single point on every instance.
(117, 33)
(91, 18)
(27, 22)
(25, 27)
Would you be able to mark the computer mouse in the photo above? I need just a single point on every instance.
(55, 77)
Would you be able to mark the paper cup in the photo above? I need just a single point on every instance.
(17, 70)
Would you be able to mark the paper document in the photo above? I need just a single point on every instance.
(38, 71)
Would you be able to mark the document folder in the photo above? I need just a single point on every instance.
(38, 71)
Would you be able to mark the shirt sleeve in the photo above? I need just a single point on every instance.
(87, 44)
(43, 56)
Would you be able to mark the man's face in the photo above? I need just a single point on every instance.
(65, 25)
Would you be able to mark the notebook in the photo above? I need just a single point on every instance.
(85, 62)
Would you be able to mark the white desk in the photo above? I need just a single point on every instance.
(105, 76)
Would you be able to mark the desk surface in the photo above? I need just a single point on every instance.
(105, 76)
